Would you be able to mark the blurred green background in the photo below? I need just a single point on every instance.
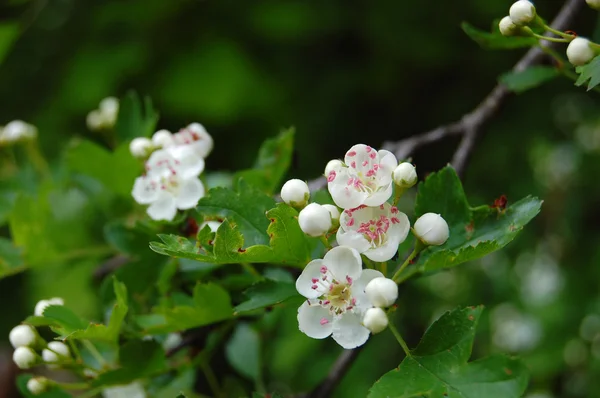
(342, 73)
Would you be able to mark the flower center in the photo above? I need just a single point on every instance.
(338, 295)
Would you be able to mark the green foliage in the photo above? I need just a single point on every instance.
(53, 392)
(589, 73)
(495, 40)
(438, 365)
(243, 351)
(266, 293)
(136, 118)
(11, 258)
(529, 78)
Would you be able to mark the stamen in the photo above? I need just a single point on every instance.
(324, 321)
(351, 153)
(349, 280)
(331, 176)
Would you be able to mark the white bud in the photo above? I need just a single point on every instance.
(162, 138)
(522, 12)
(43, 304)
(314, 220)
(24, 357)
(109, 107)
(17, 130)
(55, 352)
(432, 229)
(94, 120)
(140, 147)
(382, 292)
(295, 193)
(37, 385)
(507, 27)
(334, 212)
(375, 320)
(405, 175)
(332, 165)
(580, 52)
(22, 335)
(595, 4)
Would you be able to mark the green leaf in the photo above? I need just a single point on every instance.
(274, 159)
(128, 240)
(591, 72)
(438, 367)
(266, 293)
(53, 392)
(529, 78)
(64, 318)
(495, 40)
(11, 258)
(474, 232)
(243, 351)
(9, 32)
(136, 118)
(287, 245)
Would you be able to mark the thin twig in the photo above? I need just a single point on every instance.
(337, 372)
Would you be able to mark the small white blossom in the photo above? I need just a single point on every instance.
(334, 212)
(580, 52)
(43, 304)
(295, 193)
(336, 302)
(22, 335)
(196, 136)
(141, 147)
(405, 175)
(16, 131)
(522, 12)
(375, 231)
(314, 220)
(55, 352)
(133, 390)
(170, 182)
(382, 292)
(37, 385)
(432, 229)
(24, 357)
(507, 27)
(163, 139)
(595, 4)
(366, 178)
(105, 117)
(375, 320)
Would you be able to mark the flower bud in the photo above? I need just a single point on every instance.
(595, 4)
(55, 352)
(37, 385)
(24, 357)
(431, 229)
(375, 320)
(405, 175)
(507, 27)
(333, 165)
(109, 108)
(16, 131)
(140, 147)
(22, 336)
(382, 292)
(43, 304)
(522, 12)
(314, 220)
(335, 214)
(162, 138)
(580, 52)
(295, 193)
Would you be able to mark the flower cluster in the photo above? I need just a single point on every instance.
(174, 163)
(17, 131)
(105, 117)
(343, 300)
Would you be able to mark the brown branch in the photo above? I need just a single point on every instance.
(337, 372)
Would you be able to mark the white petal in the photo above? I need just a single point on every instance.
(314, 321)
(387, 164)
(379, 197)
(384, 252)
(304, 282)
(344, 195)
(353, 239)
(204, 142)
(145, 190)
(349, 332)
(396, 234)
(160, 163)
(358, 150)
(188, 163)
(163, 208)
(343, 262)
(189, 194)
(358, 288)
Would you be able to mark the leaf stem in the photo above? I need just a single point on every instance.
(383, 268)
(552, 39)
(37, 159)
(398, 195)
(558, 32)
(398, 337)
(251, 270)
(74, 386)
(211, 379)
(95, 353)
(405, 264)
(325, 242)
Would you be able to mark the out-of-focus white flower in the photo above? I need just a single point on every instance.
(163, 139)
(514, 331)
(382, 292)
(541, 279)
(105, 117)
(432, 229)
(196, 136)
(336, 301)
(595, 4)
(295, 193)
(24, 357)
(375, 320)
(522, 12)
(55, 352)
(37, 385)
(405, 175)
(16, 131)
(141, 147)
(580, 52)
(22, 335)
(366, 179)
(43, 304)
(133, 390)
(314, 220)
(375, 231)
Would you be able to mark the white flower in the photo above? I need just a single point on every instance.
(314, 220)
(37, 385)
(22, 335)
(334, 287)
(196, 136)
(105, 117)
(507, 27)
(133, 390)
(405, 175)
(141, 147)
(595, 4)
(375, 231)
(17, 130)
(55, 352)
(213, 225)
(432, 229)
(295, 193)
(382, 292)
(333, 165)
(43, 304)
(522, 12)
(170, 183)
(375, 320)
(163, 139)
(580, 52)
(24, 357)
(366, 178)
(334, 212)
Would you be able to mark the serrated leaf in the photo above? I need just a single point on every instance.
(287, 244)
(438, 366)
(11, 258)
(589, 71)
(136, 118)
(243, 351)
(274, 159)
(64, 318)
(529, 78)
(266, 293)
(495, 40)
